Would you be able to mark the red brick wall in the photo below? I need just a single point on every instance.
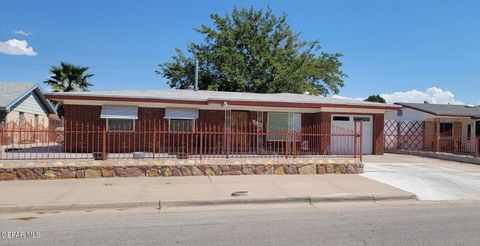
(214, 117)
(78, 117)
(308, 119)
(78, 114)
(84, 114)
(378, 135)
(81, 113)
(83, 130)
(325, 120)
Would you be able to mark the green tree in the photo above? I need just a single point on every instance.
(68, 77)
(375, 98)
(255, 51)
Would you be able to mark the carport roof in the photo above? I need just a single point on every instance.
(445, 109)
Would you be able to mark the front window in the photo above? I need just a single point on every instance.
(121, 125)
(35, 120)
(181, 125)
(119, 118)
(281, 123)
(446, 129)
(21, 118)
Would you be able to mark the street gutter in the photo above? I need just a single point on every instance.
(161, 204)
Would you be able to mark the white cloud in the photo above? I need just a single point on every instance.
(432, 95)
(17, 47)
(23, 33)
(348, 98)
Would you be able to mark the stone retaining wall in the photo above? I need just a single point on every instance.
(16, 172)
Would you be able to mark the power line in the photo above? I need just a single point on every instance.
(93, 66)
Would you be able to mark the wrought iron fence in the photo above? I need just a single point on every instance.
(181, 139)
(417, 136)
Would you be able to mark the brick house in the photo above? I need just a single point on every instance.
(443, 127)
(120, 112)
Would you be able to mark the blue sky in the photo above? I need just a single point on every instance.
(389, 46)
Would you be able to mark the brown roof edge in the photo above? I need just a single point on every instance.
(124, 99)
(301, 105)
(202, 102)
(433, 113)
(421, 110)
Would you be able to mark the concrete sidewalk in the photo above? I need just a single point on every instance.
(143, 191)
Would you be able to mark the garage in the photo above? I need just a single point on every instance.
(346, 123)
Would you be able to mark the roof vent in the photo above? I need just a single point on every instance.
(426, 102)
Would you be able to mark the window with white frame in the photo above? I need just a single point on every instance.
(181, 125)
(121, 125)
(181, 119)
(120, 118)
(279, 123)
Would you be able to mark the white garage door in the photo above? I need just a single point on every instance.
(342, 124)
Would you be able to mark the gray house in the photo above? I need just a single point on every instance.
(24, 103)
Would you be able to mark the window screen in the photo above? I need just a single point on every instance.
(123, 125)
(181, 125)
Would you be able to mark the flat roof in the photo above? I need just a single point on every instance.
(206, 97)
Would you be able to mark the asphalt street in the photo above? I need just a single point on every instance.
(331, 224)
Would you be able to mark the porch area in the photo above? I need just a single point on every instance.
(446, 135)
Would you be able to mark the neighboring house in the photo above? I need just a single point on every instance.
(24, 104)
(188, 109)
(444, 127)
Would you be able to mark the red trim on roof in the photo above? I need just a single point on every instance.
(300, 105)
(124, 99)
(201, 102)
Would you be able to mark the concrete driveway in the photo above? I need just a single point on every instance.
(429, 179)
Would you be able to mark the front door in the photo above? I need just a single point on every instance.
(240, 124)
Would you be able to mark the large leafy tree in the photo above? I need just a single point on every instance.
(68, 77)
(375, 98)
(255, 51)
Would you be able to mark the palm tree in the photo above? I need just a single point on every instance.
(68, 77)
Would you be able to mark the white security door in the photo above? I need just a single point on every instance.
(345, 124)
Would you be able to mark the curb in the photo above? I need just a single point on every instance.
(197, 203)
(75, 207)
(438, 156)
